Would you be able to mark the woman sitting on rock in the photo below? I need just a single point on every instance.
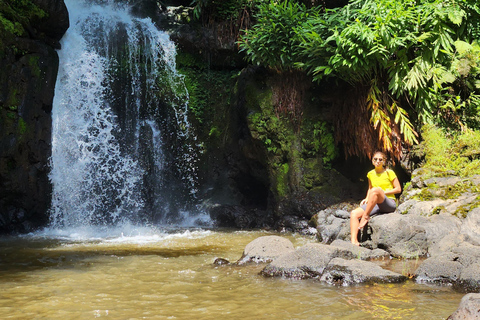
(383, 184)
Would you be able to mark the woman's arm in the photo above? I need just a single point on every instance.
(396, 187)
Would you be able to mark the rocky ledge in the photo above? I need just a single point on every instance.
(438, 220)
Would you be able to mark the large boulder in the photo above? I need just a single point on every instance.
(308, 261)
(442, 269)
(332, 224)
(348, 272)
(265, 249)
(412, 235)
(469, 308)
(458, 266)
(469, 280)
(399, 235)
(361, 252)
(471, 226)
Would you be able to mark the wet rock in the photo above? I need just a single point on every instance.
(265, 249)
(469, 280)
(442, 269)
(54, 24)
(306, 262)
(361, 252)
(469, 308)
(458, 266)
(232, 216)
(348, 272)
(221, 262)
(293, 223)
(26, 97)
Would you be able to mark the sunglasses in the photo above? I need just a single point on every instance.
(377, 159)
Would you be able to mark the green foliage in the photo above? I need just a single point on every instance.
(208, 94)
(22, 126)
(15, 15)
(274, 40)
(33, 62)
(282, 180)
(410, 57)
(459, 90)
(393, 47)
(221, 9)
(273, 131)
(456, 155)
(319, 140)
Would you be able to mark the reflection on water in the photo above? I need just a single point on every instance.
(169, 275)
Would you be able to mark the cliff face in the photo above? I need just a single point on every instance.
(269, 150)
(28, 73)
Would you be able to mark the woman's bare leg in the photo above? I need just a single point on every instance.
(355, 216)
(376, 196)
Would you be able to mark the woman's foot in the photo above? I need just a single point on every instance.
(356, 243)
(363, 222)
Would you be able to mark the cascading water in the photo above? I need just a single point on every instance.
(123, 150)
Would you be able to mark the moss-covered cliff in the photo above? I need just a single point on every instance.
(267, 138)
(29, 63)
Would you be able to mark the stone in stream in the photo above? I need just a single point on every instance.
(442, 269)
(469, 308)
(361, 252)
(336, 263)
(306, 262)
(459, 267)
(265, 249)
(348, 272)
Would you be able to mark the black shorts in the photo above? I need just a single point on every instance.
(388, 205)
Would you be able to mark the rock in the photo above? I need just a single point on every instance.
(446, 244)
(332, 223)
(221, 262)
(467, 253)
(265, 249)
(292, 223)
(399, 235)
(421, 208)
(326, 233)
(229, 216)
(27, 83)
(347, 272)
(469, 280)
(361, 252)
(306, 262)
(471, 226)
(53, 26)
(342, 214)
(469, 308)
(443, 181)
(442, 269)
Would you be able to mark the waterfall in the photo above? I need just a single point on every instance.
(122, 147)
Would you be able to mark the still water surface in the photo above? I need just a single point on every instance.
(170, 275)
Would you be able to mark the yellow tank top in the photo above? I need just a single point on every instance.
(383, 180)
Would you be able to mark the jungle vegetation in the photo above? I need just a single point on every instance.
(399, 64)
